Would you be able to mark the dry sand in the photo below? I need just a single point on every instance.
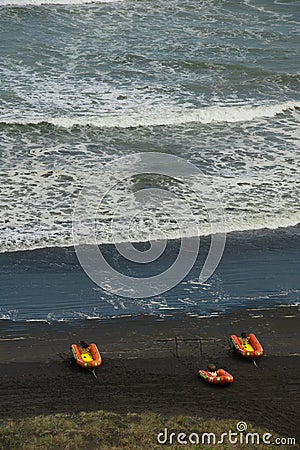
(142, 372)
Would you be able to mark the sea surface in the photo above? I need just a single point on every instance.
(85, 83)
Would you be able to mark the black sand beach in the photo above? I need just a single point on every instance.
(141, 371)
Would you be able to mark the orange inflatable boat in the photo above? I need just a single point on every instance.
(249, 348)
(222, 377)
(87, 357)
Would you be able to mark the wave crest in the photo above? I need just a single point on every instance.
(207, 115)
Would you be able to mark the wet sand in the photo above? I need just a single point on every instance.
(143, 370)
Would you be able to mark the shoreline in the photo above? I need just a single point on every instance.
(61, 330)
(17, 336)
(142, 372)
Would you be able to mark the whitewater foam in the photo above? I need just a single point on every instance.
(213, 114)
(52, 2)
(12, 338)
(40, 180)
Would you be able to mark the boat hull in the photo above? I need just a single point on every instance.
(221, 378)
(253, 349)
(88, 359)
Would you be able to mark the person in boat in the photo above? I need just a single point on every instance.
(84, 346)
(212, 370)
(244, 338)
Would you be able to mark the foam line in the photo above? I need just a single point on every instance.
(52, 2)
(213, 114)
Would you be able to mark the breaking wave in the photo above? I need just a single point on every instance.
(213, 114)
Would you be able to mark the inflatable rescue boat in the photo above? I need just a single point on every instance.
(221, 377)
(249, 348)
(87, 357)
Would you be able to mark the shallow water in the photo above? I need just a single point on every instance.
(49, 284)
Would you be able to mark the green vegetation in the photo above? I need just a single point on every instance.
(105, 430)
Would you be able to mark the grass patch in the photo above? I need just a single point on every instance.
(105, 430)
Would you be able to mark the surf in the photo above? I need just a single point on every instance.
(162, 117)
(53, 2)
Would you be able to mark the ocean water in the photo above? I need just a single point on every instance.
(84, 83)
